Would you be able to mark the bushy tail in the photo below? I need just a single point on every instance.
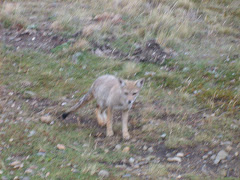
(85, 99)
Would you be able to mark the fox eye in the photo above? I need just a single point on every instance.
(134, 94)
(126, 93)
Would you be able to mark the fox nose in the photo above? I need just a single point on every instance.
(129, 102)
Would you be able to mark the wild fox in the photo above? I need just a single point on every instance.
(111, 93)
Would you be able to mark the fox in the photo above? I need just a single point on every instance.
(111, 93)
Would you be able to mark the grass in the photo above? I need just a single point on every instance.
(202, 78)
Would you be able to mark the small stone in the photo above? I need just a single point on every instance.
(149, 158)
(1, 172)
(223, 172)
(61, 147)
(236, 154)
(103, 174)
(31, 133)
(226, 143)
(131, 160)
(41, 153)
(174, 159)
(118, 147)
(126, 149)
(229, 148)
(74, 170)
(205, 157)
(126, 176)
(29, 94)
(163, 135)
(75, 57)
(210, 153)
(145, 147)
(47, 174)
(46, 119)
(213, 157)
(220, 156)
(150, 149)
(29, 171)
(99, 53)
(180, 154)
(25, 178)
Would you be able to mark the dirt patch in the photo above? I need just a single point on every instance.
(150, 52)
(39, 39)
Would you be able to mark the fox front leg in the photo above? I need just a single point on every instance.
(125, 132)
(109, 122)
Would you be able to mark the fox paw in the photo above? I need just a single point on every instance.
(126, 136)
(110, 133)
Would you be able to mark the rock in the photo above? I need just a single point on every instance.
(149, 158)
(126, 176)
(1, 172)
(180, 154)
(46, 119)
(99, 52)
(163, 136)
(29, 94)
(29, 171)
(25, 178)
(74, 170)
(61, 147)
(31, 133)
(226, 143)
(103, 174)
(220, 156)
(16, 164)
(75, 57)
(131, 160)
(174, 159)
(229, 148)
(205, 157)
(236, 154)
(118, 147)
(210, 153)
(126, 149)
(145, 147)
(223, 172)
(150, 149)
(213, 157)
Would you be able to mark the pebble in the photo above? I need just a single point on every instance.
(180, 154)
(131, 160)
(229, 148)
(61, 147)
(213, 157)
(174, 159)
(220, 156)
(46, 119)
(236, 154)
(25, 178)
(103, 173)
(126, 149)
(145, 147)
(126, 176)
(150, 149)
(118, 147)
(29, 171)
(163, 135)
(205, 157)
(226, 143)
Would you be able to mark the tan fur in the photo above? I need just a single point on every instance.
(111, 93)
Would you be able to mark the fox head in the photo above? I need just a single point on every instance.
(130, 90)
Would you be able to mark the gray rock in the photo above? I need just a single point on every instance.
(26, 178)
(145, 147)
(226, 143)
(205, 157)
(163, 135)
(118, 147)
(174, 159)
(75, 57)
(103, 174)
(150, 149)
(131, 160)
(220, 156)
(126, 176)
(180, 154)
(213, 157)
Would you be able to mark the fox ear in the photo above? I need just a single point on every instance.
(140, 82)
(122, 83)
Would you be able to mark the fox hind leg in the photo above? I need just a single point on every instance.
(101, 116)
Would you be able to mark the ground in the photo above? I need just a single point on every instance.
(185, 123)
